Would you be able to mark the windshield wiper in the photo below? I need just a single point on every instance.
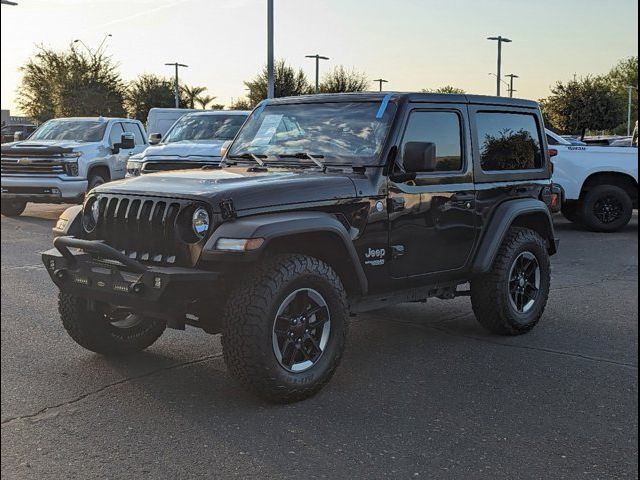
(249, 156)
(306, 155)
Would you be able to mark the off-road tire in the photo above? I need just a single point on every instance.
(248, 327)
(13, 208)
(92, 330)
(490, 296)
(600, 193)
(571, 211)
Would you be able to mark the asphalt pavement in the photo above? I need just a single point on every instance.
(422, 392)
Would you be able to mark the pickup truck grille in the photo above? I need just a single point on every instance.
(19, 164)
(146, 229)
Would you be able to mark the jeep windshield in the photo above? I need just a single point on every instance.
(340, 133)
(75, 130)
(200, 128)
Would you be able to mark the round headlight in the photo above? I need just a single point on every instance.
(200, 222)
(91, 215)
(95, 211)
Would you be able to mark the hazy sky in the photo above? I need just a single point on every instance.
(414, 43)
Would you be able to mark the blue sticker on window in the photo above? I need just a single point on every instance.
(383, 106)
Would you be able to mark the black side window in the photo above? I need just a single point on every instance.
(509, 141)
(552, 141)
(135, 129)
(443, 130)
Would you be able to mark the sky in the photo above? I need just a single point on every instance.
(415, 44)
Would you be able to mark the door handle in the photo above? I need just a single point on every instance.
(464, 200)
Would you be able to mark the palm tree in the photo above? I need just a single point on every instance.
(191, 94)
(204, 100)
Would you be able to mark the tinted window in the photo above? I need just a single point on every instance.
(135, 129)
(441, 129)
(116, 133)
(509, 141)
(552, 141)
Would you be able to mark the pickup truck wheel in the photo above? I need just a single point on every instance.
(510, 299)
(285, 328)
(120, 333)
(96, 180)
(13, 208)
(606, 208)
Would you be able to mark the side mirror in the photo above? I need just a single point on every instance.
(17, 136)
(225, 148)
(419, 157)
(155, 138)
(127, 141)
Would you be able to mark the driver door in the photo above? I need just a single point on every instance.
(432, 218)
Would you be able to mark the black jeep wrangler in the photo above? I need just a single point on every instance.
(325, 206)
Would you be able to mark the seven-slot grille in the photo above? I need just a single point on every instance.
(15, 163)
(146, 229)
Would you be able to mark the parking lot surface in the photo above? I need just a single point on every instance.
(422, 392)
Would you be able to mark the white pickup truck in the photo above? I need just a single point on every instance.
(600, 184)
(66, 157)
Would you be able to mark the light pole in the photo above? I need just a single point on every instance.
(500, 39)
(77, 40)
(271, 82)
(176, 86)
(318, 57)
(108, 35)
(511, 90)
(381, 81)
(631, 88)
(7, 2)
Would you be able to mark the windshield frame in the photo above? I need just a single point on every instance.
(388, 105)
(166, 140)
(102, 124)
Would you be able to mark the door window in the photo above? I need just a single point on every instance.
(116, 134)
(135, 129)
(443, 130)
(509, 141)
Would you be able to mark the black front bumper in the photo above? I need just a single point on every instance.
(96, 271)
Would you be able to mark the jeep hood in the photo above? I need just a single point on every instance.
(247, 190)
(179, 150)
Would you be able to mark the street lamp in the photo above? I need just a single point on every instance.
(108, 35)
(271, 80)
(77, 40)
(7, 2)
(176, 81)
(511, 90)
(381, 81)
(631, 88)
(500, 40)
(318, 57)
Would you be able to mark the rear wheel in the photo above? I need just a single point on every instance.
(13, 208)
(115, 333)
(285, 328)
(606, 208)
(510, 299)
(571, 212)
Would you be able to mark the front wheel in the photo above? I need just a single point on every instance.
(113, 333)
(13, 208)
(510, 299)
(285, 328)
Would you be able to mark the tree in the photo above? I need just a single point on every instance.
(204, 100)
(217, 106)
(240, 104)
(288, 83)
(191, 95)
(341, 80)
(70, 83)
(582, 104)
(446, 89)
(149, 91)
(622, 76)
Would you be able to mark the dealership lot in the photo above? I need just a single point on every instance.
(423, 391)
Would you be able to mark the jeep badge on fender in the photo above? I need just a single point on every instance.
(324, 206)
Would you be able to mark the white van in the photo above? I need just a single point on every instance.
(160, 120)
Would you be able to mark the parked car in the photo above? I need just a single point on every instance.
(160, 120)
(66, 157)
(600, 184)
(573, 140)
(12, 131)
(325, 206)
(194, 141)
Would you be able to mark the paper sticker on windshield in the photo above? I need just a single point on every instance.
(267, 130)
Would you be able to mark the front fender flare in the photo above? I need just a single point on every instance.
(278, 226)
